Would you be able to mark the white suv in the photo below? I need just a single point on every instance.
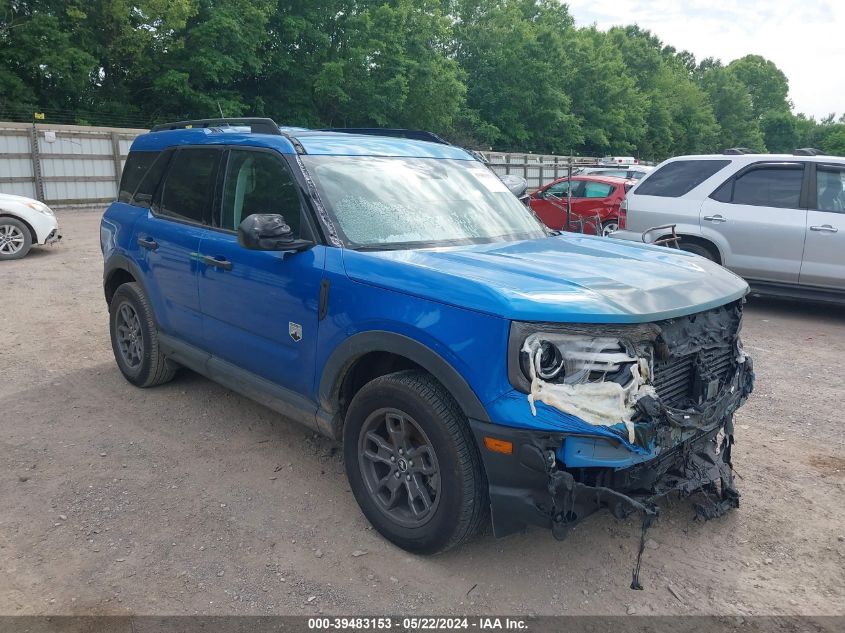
(776, 220)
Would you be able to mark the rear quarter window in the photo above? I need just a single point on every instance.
(137, 164)
(679, 177)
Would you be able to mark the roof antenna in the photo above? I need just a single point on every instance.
(222, 116)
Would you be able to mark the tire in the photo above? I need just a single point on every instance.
(15, 239)
(134, 338)
(609, 226)
(698, 249)
(448, 470)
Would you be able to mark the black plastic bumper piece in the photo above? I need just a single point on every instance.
(527, 486)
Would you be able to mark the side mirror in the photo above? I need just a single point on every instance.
(540, 194)
(516, 184)
(269, 232)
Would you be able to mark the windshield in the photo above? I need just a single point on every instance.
(388, 202)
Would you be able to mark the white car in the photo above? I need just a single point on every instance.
(23, 223)
(778, 220)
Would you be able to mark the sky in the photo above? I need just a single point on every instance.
(804, 38)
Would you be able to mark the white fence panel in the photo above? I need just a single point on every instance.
(72, 165)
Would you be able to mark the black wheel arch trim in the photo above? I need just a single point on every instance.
(120, 262)
(357, 345)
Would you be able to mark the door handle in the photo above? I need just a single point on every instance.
(223, 263)
(825, 228)
(148, 243)
(714, 218)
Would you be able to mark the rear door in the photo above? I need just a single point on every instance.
(761, 215)
(168, 239)
(824, 250)
(260, 308)
(592, 204)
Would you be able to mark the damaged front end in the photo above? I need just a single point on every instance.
(626, 414)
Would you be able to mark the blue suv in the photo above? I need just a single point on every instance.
(391, 293)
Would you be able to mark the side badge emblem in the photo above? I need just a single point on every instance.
(295, 331)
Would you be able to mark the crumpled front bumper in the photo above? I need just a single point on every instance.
(530, 487)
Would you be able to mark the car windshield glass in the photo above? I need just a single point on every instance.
(398, 202)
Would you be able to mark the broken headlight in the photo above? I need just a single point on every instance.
(594, 372)
(574, 355)
(574, 359)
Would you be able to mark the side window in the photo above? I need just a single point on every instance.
(143, 196)
(769, 187)
(561, 189)
(137, 164)
(189, 185)
(724, 192)
(596, 190)
(258, 182)
(830, 188)
(679, 177)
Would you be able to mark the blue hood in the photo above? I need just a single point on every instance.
(569, 278)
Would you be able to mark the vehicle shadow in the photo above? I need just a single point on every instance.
(785, 307)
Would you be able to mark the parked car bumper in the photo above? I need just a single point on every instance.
(631, 236)
(53, 237)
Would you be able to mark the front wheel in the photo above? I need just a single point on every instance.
(15, 238)
(412, 463)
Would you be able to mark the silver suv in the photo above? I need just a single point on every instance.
(776, 220)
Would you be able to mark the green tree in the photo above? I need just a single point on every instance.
(511, 53)
(766, 84)
(779, 131)
(611, 110)
(732, 108)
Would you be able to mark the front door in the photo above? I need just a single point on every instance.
(824, 250)
(759, 215)
(260, 307)
(550, 203)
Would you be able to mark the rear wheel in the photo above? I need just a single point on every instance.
(412, 463)
(134, 338)
(15, 239)
(609, 226)
(698, 249)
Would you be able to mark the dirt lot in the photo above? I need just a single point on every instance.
(190, 499)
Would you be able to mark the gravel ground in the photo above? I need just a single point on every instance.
(190, 499)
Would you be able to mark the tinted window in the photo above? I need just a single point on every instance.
(679, 177)
(596, 190)
(258, 182)
(724, 192)
(190, 184)
(769, 187)
(137, 164)
(830, 189)
(561, 189)
(150, 183)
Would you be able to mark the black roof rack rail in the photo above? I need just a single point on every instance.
(257, 125)
(807, 151)
(415, 135)
(733, 151)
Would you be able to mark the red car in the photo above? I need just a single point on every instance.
(595, 203)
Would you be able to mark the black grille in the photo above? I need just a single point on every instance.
(675, 380)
